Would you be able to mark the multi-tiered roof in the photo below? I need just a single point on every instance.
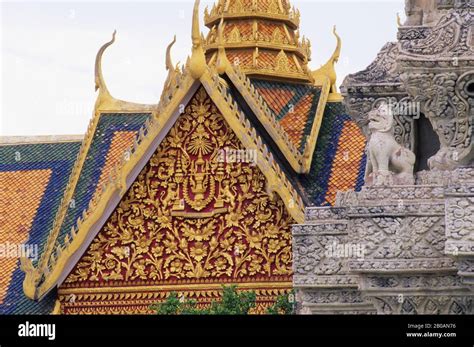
(262, 37)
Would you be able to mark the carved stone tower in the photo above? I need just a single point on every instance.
(403, 247)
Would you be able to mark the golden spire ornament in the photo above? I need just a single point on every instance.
(197, 63)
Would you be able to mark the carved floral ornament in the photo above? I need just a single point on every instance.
(450, 37)
(422, 305)
(404, 252)
(444, 101)
(436, 68)
(190, 216)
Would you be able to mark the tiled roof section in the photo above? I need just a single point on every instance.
(339, 159)
(21, 194)
(121, 141)
(33, 178)
(267, 27)
(294, 105)
(268, 30)
(244, 28)
(245, 3)
(241, 57)
(115, 131)
(346, 167)
(263, 5)
(268, 59)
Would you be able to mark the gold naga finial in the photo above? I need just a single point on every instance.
(197, 63)
(328, 70)
(99, 78)
(169, 62)
(337, 51)
(32, 277)
(222, 61)
(172, 71)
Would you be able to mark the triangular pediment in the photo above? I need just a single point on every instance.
(72, 247)
(199, 214)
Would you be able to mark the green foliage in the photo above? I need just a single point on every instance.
(283, 305)
(174, 306)
(232, 303)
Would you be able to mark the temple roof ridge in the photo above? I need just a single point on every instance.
(36, 139)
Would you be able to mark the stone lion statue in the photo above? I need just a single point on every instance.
(388, 163)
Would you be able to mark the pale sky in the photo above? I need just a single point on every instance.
(48, 51)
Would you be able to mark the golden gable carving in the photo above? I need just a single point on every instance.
(191, 216)
(277, 36)
(238, 7)
(282, 63)
(234, 36)
(274, 8)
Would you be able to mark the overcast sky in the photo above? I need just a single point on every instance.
(48, 51)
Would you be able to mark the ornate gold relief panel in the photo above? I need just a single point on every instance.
(197, 214)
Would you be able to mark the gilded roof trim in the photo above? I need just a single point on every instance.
(57, 261)
(57, 266)
(105, 103)
(310, 145)
(301, 163)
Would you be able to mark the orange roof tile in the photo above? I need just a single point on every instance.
(20, 195)
(346, 164)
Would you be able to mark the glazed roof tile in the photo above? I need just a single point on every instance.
(339, 159)
(293, 105)
(33, 178)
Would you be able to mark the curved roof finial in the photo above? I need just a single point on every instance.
(220, 32)
(328, 70)
(337, 51)
(169, 62)
(170, 82)
(99, 78)
(197, 64)
(196, 32)
(221, 55)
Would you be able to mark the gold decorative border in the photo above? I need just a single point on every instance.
(196, 72)
(133, 300)
(175, 287)
(105, 103)
(261, 44)
(293, 23)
